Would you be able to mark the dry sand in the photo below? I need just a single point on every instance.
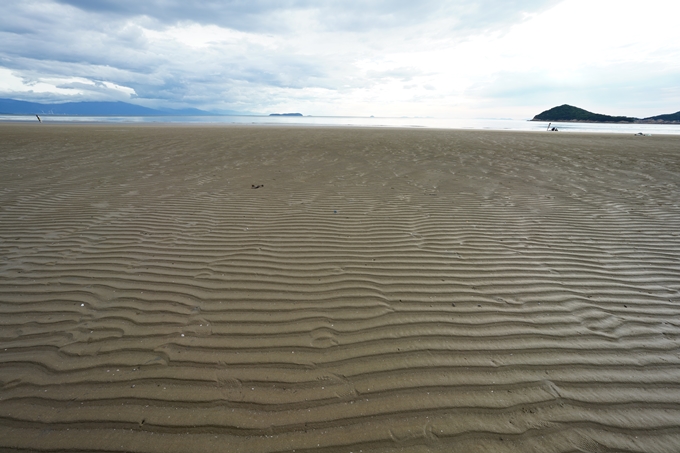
(385, 290)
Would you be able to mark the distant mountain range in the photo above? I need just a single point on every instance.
(569, 113)
(14, 107)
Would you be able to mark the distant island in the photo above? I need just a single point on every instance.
(15, 107)
(285, 114)
(569, 113)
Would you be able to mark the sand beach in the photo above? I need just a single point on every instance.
(266, 289)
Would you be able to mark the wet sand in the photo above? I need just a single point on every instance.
(383, 290)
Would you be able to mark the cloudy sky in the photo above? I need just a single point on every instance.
(448, 59)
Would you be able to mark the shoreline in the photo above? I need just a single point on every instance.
(633, 132)
(188, 126)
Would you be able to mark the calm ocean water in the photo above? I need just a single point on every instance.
(440, 123)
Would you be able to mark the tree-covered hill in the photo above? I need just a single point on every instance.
(570, 113)
(670, 118)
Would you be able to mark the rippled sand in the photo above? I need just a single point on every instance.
(383, 290)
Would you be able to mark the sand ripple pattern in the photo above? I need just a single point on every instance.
(384, 290)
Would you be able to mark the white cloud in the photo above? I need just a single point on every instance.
(60, 88)
(611, 55)
(10, 83)
(440, 58)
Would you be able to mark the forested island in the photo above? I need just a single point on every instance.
(569, 113)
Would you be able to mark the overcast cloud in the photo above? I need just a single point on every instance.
(458, 58)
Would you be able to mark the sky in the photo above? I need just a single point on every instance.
(425, 58)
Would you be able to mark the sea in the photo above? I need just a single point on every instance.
(357, 121)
